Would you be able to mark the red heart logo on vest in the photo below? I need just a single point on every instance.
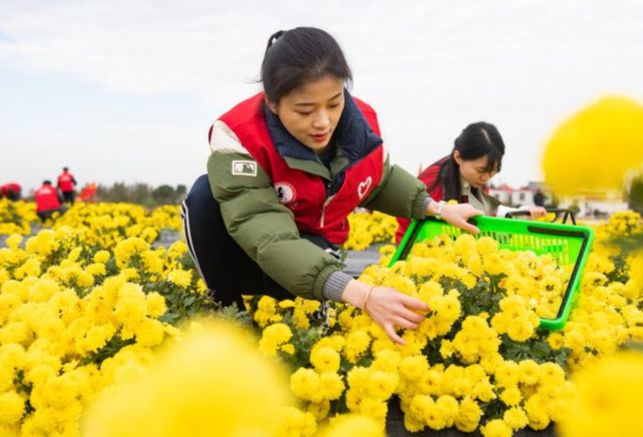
(363, 187)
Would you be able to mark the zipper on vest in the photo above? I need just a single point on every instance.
(323, 211)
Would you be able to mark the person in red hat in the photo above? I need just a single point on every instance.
(11, 191)
(66, 185)
(48, 201)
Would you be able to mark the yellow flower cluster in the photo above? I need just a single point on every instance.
(479, 360)
(571, 162)
(16, 217)
(608, 313)
(368, 228)
(298, 310)
(106, 224)
(608, 400)
(211, 383)
(538, 280)
(84, 307)
(77, 316)
(52, 341)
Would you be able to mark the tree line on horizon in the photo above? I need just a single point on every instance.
(141, 194)
(149, 196)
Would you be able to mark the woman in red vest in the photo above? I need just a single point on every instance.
(66, 185)
(287, 167)
(463, 175)
(48, 201)
(11, 191)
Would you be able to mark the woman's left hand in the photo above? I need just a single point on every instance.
(457, 215)
(536, 212)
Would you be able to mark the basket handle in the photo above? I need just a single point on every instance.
(567, 212)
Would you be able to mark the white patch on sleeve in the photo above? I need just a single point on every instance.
(225, 140)
(244, 168)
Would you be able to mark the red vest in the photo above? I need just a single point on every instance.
(304, 193)
(428, 176)
(46, 198)
(10, 186)
(66, 182)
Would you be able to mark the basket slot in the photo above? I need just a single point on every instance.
(558, 249)
(489, 234)
(451, 231)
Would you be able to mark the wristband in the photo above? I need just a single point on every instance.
(438, 214)
(368, 294)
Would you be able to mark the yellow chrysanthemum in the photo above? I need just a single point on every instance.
(12, 407)
(612, 123)
(496, 428)
(608, 400)
(194, 388)
(325, 359)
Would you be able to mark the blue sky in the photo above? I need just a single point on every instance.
(126, 90)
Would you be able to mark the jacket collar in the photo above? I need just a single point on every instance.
(353, 135)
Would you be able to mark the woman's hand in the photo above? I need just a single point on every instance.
(390, 309)
(387, 307)
(536, 212)
(457, 215)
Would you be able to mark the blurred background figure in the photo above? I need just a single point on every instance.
(539, 198)
(66, 184)
(88, 193)
(464, 174)
(11, 191)
(48, 201)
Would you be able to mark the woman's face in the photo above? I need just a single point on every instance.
(474, 171)
(311, 112)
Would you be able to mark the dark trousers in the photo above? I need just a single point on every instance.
(227, 270)
(13, 195)
(44, 215)
(69, 197)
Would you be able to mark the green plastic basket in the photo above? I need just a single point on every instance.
(568, 245)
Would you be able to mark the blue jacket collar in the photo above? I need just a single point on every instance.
(353, 135)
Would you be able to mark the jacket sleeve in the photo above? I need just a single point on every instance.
(263, 227)
(399, 193)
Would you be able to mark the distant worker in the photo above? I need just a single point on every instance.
(66, 184)
(11, 191)
(48, 201)
(88, 193)
(539, 198)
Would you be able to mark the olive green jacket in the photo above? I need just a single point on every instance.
(265, 229)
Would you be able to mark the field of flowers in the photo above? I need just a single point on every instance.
(104, 334)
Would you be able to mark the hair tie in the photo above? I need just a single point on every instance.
(276, 36)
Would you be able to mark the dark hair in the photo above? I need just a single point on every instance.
(46, 182)
(298, 56)
(476, 140)
(65, 168)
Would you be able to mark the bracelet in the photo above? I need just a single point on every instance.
(368, 294)
(438, 215)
